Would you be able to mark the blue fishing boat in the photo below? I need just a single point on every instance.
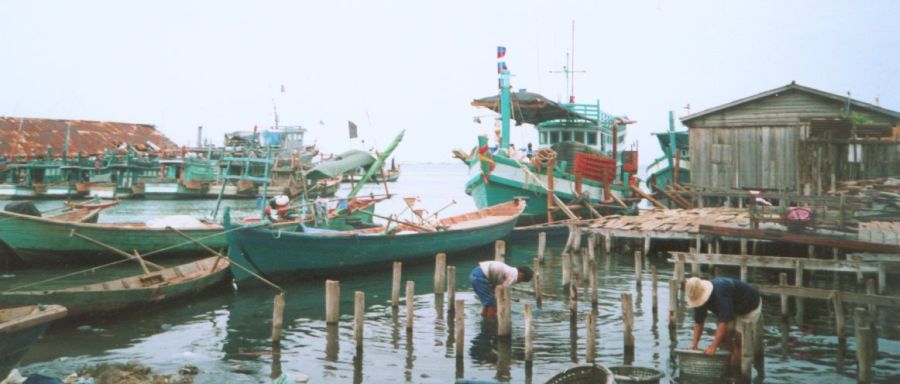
(675, 162)
(282, 254)
(20, 327)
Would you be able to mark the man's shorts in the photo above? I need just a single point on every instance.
(483, 288)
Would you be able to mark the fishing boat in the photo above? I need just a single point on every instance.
(40, 240)
(45, 179)
(182, 178)
(20, 328)
(134, 292)
(675, 162)
(282, 254)
(120, 176)
(391, 174)
(577, 158)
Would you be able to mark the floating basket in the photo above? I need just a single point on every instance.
(583, 374)
(632, 374)
(695, 363)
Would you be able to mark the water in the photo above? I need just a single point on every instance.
(227, 334)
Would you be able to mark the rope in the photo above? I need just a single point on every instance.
(542, 158)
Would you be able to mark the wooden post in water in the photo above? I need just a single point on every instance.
(594, 296)
(592, 245)
(451, 286)
(576, 243)
(573, 300)
(798, 273)
(747, 349)
(332, 301)
(460, 323)
(585, 267)
(566, 269)
(607, 242)
(628, 318)
(647, 244)
(679, 268)
(359, 313)
(395, 284)
(536, 281)
(872, 315)
(673, 301)
(882, 278)
(504, 321)
(695, 266)
(743, 245)
(744, 270)
(839, 324)
(277, 320)
(782, 281)
(529, 334)
(542, 245)
(410, 307)
(591, 324)
(637, 267)
(440, 273)
(863, 347)
(653, 288)
(500, 251)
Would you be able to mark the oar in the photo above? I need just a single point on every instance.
(220, 256)
(452, 202)
(398, 221)
(137, 256)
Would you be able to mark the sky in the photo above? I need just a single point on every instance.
(416, 65)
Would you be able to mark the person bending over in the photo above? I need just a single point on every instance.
(487, 275)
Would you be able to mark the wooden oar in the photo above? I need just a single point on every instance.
(137, 256)
(220, 255)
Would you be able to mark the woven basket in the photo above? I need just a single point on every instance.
(632, 374)
(583, 374)
(695, 363)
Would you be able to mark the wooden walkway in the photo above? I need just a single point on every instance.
(670, 223)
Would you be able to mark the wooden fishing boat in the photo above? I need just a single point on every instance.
(93, 204)
(20, 328)
(39, 240)
(284, 254)
(131, 292)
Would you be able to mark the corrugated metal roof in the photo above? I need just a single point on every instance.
(24, 136)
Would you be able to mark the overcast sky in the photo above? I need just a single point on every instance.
(416, 65)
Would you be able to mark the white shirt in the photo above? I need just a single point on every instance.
(497, 272)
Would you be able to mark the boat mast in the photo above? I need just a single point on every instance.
(672, 146)
(504, 99)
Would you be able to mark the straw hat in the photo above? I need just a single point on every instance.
(697, 291)
(282, 200)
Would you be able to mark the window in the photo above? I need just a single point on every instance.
(592, 138)
(554, 137)
(579, 136)
(566, 136)
(543, 139)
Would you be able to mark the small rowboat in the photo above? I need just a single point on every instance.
(285, 254)
(20, 328)
(93, 204)
(131, 292)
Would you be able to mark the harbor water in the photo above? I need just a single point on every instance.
(227, 334)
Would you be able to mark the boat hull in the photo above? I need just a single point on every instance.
(18, 334)
(280, 255)
(46, 241)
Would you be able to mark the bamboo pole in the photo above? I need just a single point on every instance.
(542, 244)
(410, 304)
(395, 284)
(500, 251)
(529, 334)
(504, 321)
(451, 286)
(591, 324)
(359, 312)
(460, 321)
(440, 273)
(332, 301)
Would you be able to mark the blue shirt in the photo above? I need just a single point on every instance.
(729, 298)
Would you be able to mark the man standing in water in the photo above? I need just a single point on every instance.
(487, 275)
(735, 303)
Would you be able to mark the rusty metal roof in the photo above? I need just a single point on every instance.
(29, 136)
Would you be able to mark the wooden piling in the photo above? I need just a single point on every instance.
(798, 273)
(576, 244)
(747, 349)
(410, 304)
(440, 273)
(592, 245)
(863, 347)
(359, 312)
(277, 319)
(743, 245)
(593, 281)
(679, 268)
(744, 270)
(451, 286)
(500, 251)
(653, 289)
(673, 301)
(332, 301)
(504, 321)
(695, 267)
(460, 323)
(542, 244)
(566, 269)
(529, 334)
(628, 319)
(882, 278)
(591, 325)
(573, 300)
(782, 280)
(637, 267)
(647, 244)
(395, 284)
(839, 324)
(536, 281)
(607, 242)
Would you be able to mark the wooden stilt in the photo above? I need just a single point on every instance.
(628, 319)
(504, 320)
(451, 286)
(695, 267)
(566, 269)
(863, 349)
(673, 301)
(839, 317)
(395, 285)
(607, 242)
(500, 251)
(647, 244)
(460, 322)
(529, 334)
(359, 312)
(536, 281)
(637, 267)
(655, 300)
(591, 324)
(410, 304)
(542, 244)
(277, 320)
(594, 296)
(332, 301)
(440, 273)
(592, 245)
(782, 280)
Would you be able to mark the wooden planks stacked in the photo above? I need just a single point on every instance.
(669, 223)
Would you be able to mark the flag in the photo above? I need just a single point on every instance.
(501, 51)
(352, 127)
(501, 66)
(282, 88)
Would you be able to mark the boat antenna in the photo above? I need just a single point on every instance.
(569, 70)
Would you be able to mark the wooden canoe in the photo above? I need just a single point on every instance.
(19, 328)
(137, 291)
(39, 240)
(280, 254)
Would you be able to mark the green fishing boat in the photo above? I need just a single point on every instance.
(182, 178)
(676, 156)
(121, 176)
(19, 328)
(134, 292)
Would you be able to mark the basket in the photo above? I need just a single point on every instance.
(695, 363)
(583, 374)
(632, 374)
